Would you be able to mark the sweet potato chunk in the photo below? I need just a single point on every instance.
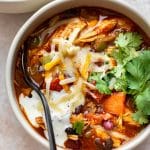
(115, 103)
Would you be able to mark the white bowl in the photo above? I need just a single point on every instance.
(21, 6)
(40, 16)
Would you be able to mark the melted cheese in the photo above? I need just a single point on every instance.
(30, 107)
(64, 105)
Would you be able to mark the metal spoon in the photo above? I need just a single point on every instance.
(36, 87)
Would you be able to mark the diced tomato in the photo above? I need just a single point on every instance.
(94, 118)
(98, 96)
(95, 95)
(55, 86)
(97, 118)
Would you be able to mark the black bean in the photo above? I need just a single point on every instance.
(97, 141)
(108, 144)
(99, 109)
(99, 144)
(70, 130)
(78, 109)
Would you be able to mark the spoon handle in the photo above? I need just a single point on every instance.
(34, 86)
(48, 121)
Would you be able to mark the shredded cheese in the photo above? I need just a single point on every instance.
(84, 70)
(51, 64)
(67, 81)
(65, 87)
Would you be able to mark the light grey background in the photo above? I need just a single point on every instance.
(12, 135)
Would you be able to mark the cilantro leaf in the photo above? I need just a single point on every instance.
(78, 126)
(140, 117)
(101, 85)
(138, 79)
(123, 55)
(138, 72)
(143, 101)
(119, 74)
(134, 74)
(127, 45)
(121, 84)
(94, 76)
(129, 40)
(118, 71)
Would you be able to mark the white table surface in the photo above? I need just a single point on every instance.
(12, 135)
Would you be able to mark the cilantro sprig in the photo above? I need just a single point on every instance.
(101, 84)
(132, 74)
(138, 79)
(127, 45)
(129, 40)
(78, 127)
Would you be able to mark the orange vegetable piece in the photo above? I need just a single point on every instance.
(94, 118)
(115, 104)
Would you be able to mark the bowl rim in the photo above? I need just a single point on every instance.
(9, 77)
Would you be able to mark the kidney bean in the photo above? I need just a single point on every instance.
(108, 125)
